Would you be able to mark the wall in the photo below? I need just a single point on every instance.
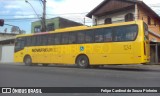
(153, 38)
(4, 36)
(48, 21)
(7, 54)
(58, 23)
(143, 15)
(67, 23)
(0, 52)
(116, 17)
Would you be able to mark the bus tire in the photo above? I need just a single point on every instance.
(28, 61)
(82, 61)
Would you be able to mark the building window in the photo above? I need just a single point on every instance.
(149, 20)
(95, 22)
(129, 17)
(50, 27)
(37, 29)
(108, 21)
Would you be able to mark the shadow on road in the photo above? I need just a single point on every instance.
(127, 69)
(113, 67)
(141, 68)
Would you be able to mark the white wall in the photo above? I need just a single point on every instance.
(7, 54)
(116, 17)
(7, 36)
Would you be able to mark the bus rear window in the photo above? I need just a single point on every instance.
(146, 32)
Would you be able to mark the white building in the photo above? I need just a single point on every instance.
(7, 47)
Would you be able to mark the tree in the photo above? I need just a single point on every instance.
(5, 30)
(15, 29)
(22, 32)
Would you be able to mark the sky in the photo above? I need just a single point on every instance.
(20, 13)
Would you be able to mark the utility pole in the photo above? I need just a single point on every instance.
(44, 16)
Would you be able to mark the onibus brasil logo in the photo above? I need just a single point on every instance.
(21, 90)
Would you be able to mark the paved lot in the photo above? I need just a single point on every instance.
(18, 75)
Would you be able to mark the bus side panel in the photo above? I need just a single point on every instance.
(18, 56)
(138, 52)
(68, 54)
(111, 53)
(98, 53)
(121, 53)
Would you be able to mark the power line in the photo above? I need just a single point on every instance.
(21, 19)
(32, 8)
(16, 0)
(47, 14)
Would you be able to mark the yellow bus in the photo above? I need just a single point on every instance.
(120, 43)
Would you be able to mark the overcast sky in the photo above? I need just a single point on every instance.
(15, 12)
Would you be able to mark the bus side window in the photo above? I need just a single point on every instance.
(24, 41)
(89, 36)
(81, 37)
(119, 34)
(44, 40)
(51, 39)
(125, 33)
(131, 32)
(33, 41)
(57, 38)
(65, 38)
(72, 38)
(99, 35)
(39, 40)
(108, 35)
(28, 41)
(22, 45)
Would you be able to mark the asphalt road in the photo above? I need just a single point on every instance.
(18, 75)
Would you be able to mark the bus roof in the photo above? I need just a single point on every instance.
(77, 28)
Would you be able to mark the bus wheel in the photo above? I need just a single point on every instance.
(82, 61)
(28, 61)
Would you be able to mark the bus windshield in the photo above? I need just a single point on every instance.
(19, 44)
